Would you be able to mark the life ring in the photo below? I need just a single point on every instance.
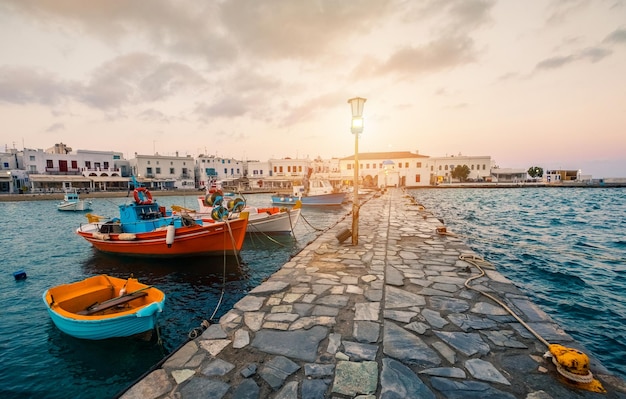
(145, 198)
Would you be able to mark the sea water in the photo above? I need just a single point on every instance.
(39, 361)
(564, 247)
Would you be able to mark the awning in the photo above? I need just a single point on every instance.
(58, 178)
(109, 179)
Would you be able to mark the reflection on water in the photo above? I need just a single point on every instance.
(41, 240)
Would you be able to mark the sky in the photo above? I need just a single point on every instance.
(529, 83)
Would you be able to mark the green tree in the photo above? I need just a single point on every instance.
(535, 171)
(461, 172)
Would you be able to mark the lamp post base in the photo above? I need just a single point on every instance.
(355, 224)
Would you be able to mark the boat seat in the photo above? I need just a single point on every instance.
(111, 303)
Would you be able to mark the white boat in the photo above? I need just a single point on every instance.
(72, 202)
(270, 220)
(313, 192)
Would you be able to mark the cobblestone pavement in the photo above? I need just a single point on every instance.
(388, 318)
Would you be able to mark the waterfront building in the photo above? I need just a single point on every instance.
(162, 172)
(210, 169)
(387, 169)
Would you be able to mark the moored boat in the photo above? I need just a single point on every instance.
(145, 229)
(268, 220)
(102, 307)
(314, 192)
(72, 202)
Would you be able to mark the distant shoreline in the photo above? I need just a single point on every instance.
(184, 193)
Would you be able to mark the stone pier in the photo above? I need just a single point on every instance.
(389, 318)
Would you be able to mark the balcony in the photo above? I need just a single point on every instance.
(58, 171)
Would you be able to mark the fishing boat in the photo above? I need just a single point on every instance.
(72, 202)
(268, 220)
(314, 192)
(145, 229)
(102, 307)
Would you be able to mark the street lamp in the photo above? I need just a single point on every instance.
(357, 128)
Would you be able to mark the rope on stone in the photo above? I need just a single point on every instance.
(562, 357)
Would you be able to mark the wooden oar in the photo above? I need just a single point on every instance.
(116, 298)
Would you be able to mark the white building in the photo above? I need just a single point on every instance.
(58, 168)
(387, 169)
(441, 168)
(164, 172)
(210, 169)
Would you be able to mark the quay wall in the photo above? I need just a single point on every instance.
(391, 317)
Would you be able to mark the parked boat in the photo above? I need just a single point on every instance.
(270, 220)
(146, 229)
(102, 307)
(72, 202)
(314, 192)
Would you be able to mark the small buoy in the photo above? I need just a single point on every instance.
(169, 235)
(19, 275)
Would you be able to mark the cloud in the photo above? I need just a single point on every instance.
(55, 127)
(442, 54)
(618, 36)
(30, 85)
(592, 54)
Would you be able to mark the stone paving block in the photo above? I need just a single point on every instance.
(353, 378)
(276, 371)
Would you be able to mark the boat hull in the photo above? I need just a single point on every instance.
(274, 220)
(65, 303)
(210, 239)
(312, 200)
(282, 222)
(75, 206)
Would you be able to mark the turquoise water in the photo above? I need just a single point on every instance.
(564, 247)
(39, 361)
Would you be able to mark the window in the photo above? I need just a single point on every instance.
(472, 167)
(400, 165)
(406, 164)
(148, 162)
(32, 158)
(49, 163)
(446, 167)
(74, 164)
(300, 168)
(6, 165)
(88, 164)
(158, 171)
(368, 166)
(417, 178)
(349, 166)
(148, 171)
(483, 166)
(374, 166)
(106, 165)
(280, 169)
(172, 171)
(418, 165)
(225, 171)
(289, 169)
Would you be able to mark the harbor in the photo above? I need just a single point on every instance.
(402, 314)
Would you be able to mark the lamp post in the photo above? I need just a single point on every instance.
(356, 105)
